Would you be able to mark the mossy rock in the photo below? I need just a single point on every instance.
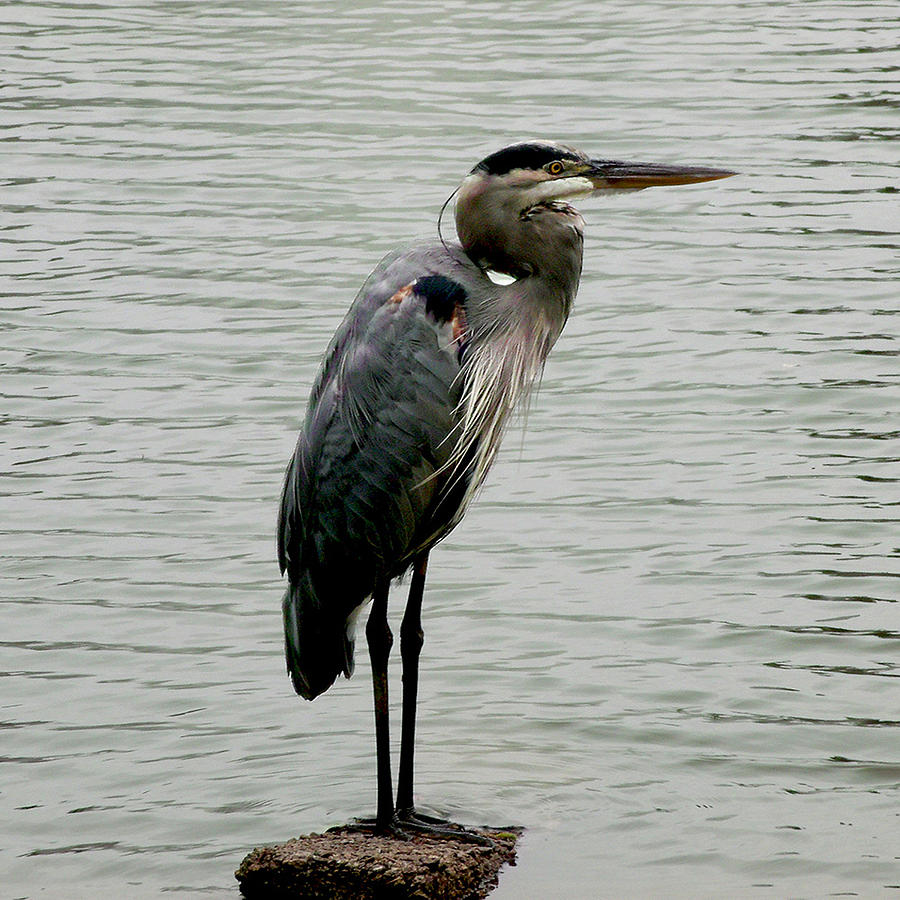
(349, 865)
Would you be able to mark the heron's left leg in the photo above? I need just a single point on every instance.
(380, 639)
(411, 640)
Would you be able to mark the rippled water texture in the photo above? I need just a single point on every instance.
(665, 639)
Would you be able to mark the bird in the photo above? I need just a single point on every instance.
(441, 345)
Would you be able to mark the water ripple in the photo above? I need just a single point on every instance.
(645, 641)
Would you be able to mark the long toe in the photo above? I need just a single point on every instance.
(392, 829)
(422, 824)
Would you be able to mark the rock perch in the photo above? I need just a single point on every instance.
(348, 865)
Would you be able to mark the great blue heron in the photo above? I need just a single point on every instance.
(408, 409)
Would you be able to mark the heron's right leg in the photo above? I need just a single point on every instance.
(380, 639)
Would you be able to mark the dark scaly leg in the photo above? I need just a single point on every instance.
(411, 640)
(379, 637)
(380, 640)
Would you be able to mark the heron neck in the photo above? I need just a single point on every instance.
(541, 248)
(530, 311)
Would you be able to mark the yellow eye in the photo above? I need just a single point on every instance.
(555, 168)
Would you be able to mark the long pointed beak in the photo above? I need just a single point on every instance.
(610, 174)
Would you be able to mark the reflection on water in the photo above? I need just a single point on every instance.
(664, 639)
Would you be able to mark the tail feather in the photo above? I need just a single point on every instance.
(317, 646)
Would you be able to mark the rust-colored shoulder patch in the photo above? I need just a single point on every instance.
(402, 294)
(459, 324)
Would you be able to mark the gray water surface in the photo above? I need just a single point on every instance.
(665, 638)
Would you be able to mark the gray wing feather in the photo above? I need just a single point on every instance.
(368, 486)
(361, 486)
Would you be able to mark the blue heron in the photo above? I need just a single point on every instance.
(408, 409)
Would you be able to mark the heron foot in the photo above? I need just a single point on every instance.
(422, 824)
(391, 829)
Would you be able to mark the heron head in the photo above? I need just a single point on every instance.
(513, 209)
(543, 172)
